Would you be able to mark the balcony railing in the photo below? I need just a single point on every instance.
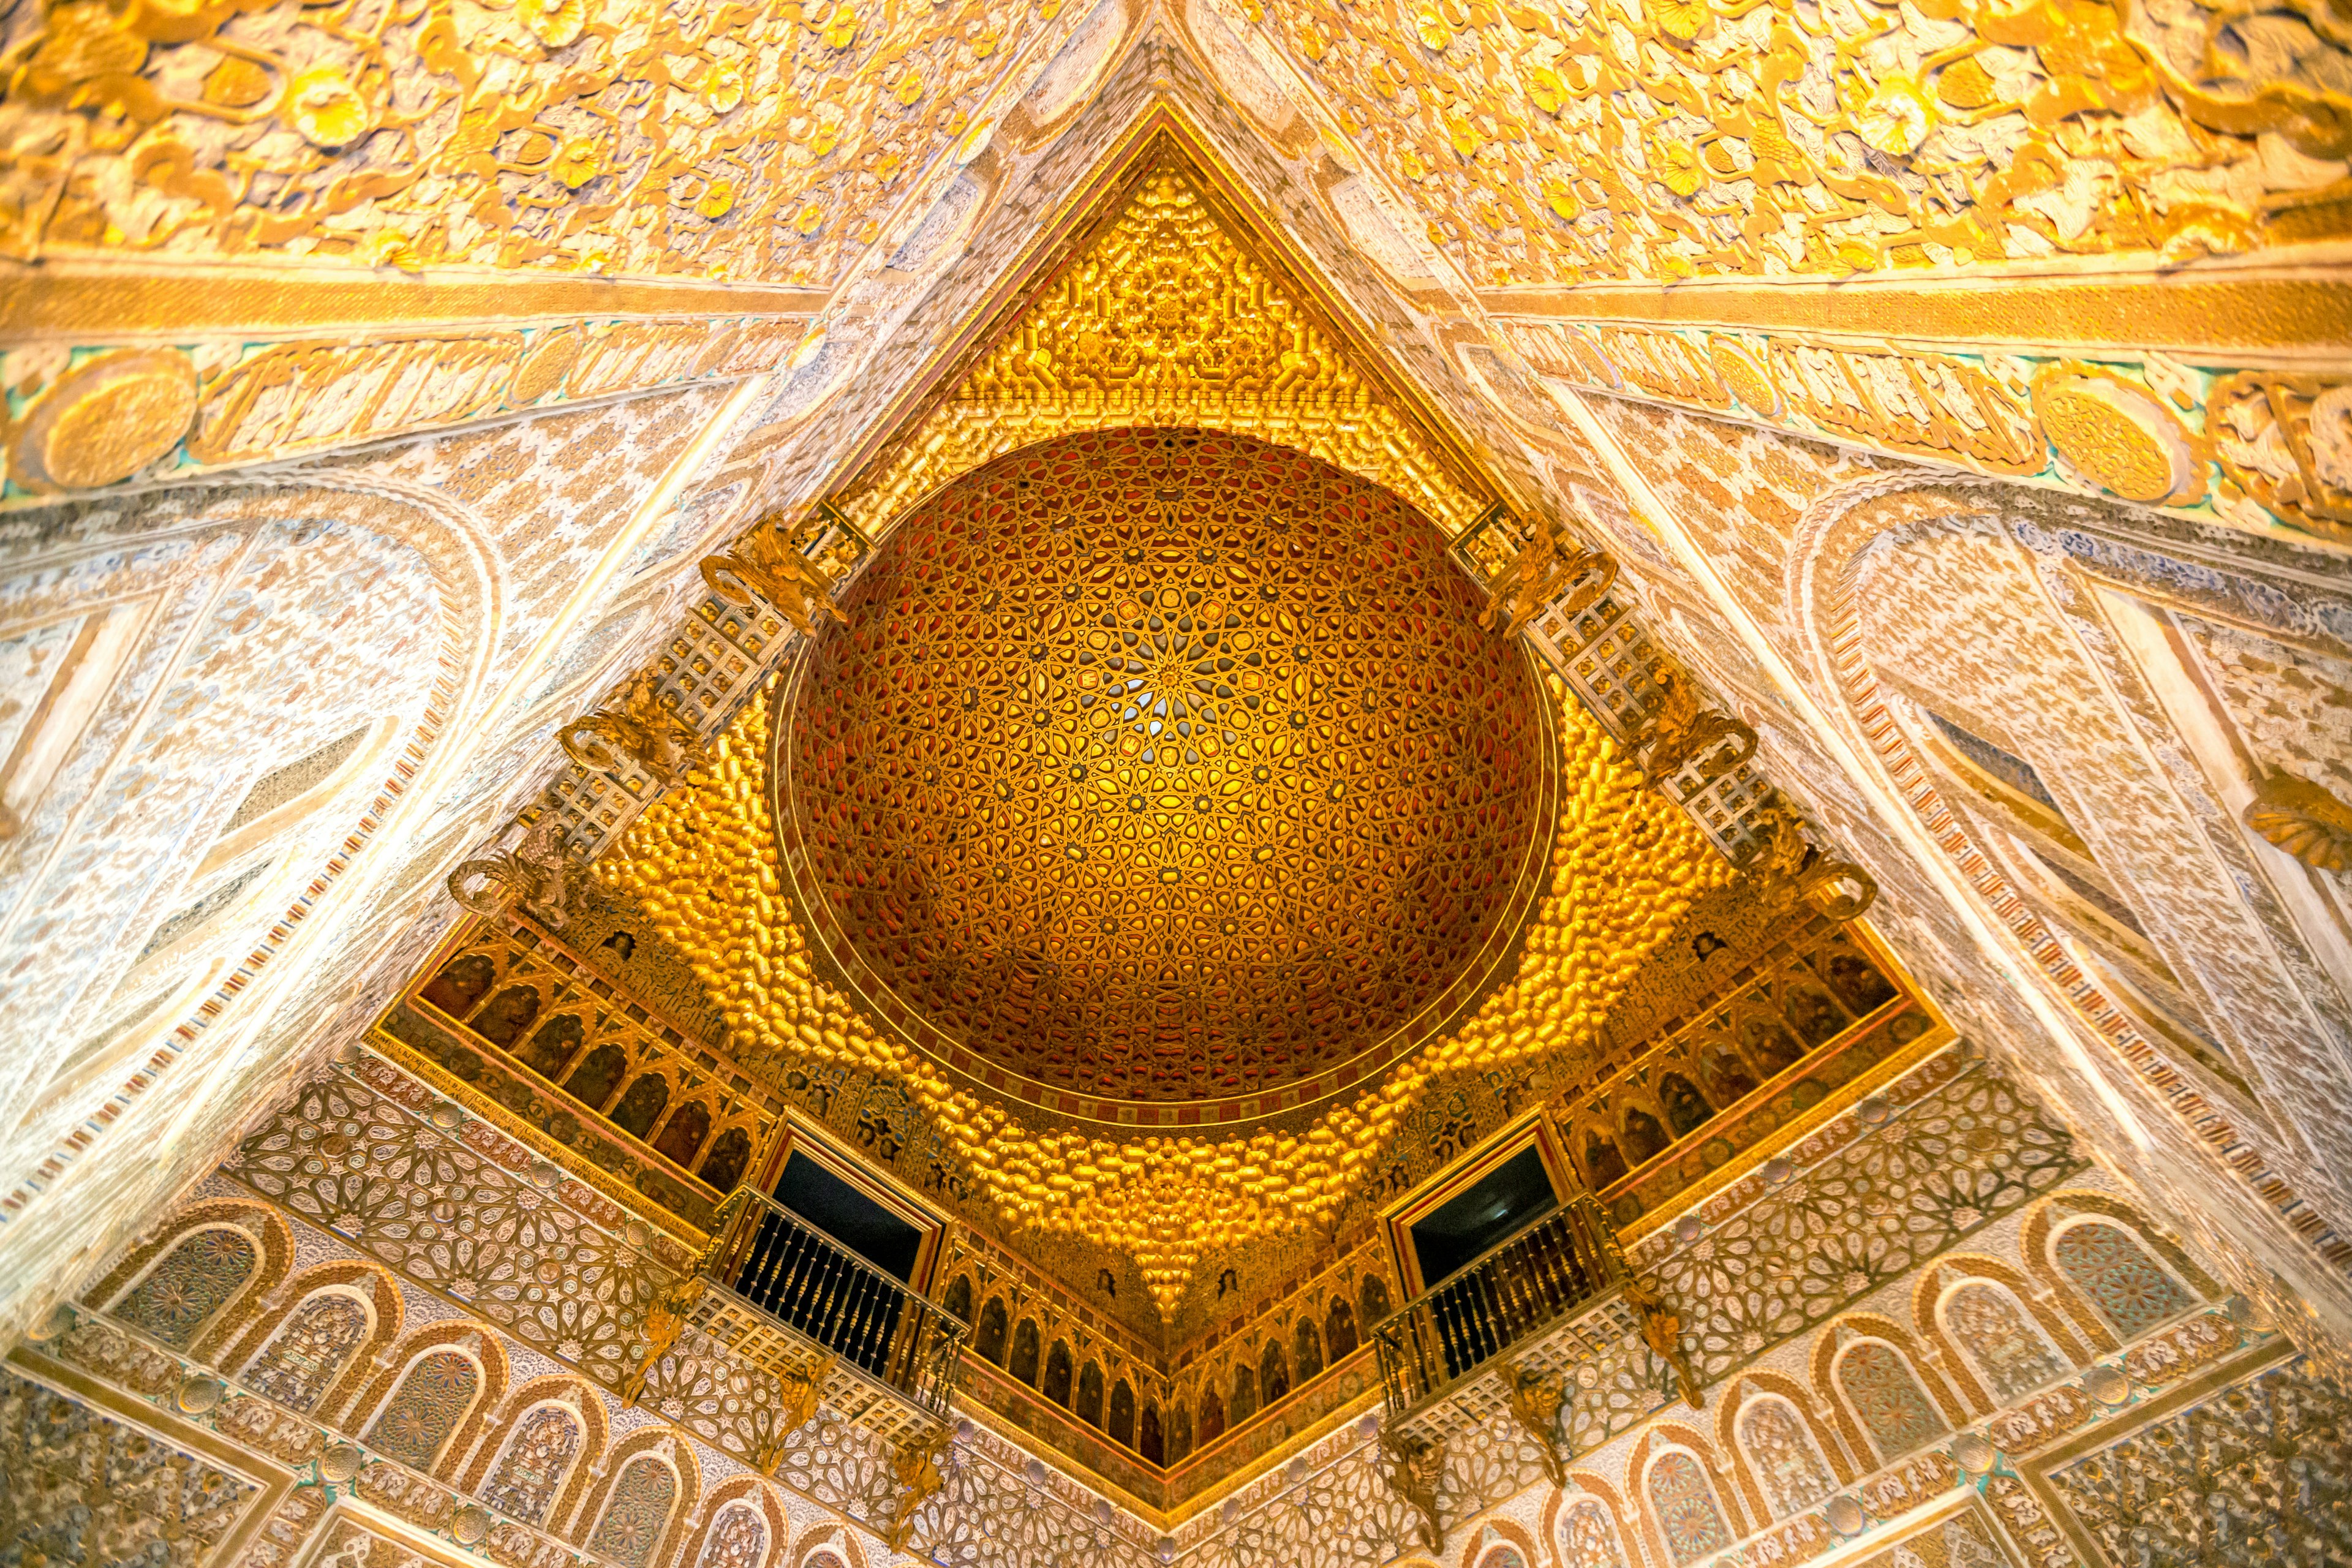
(1549, 1296)
(781, 1295)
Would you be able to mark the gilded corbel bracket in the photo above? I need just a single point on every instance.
(1679, 733)
(803, 1390)
(534, 874)
(1545, 567)
(914, 1466)
(1790, 869)
(666, 1320)
(1537, 1405)
(633, 726)
(1414, 1471)
(2303, 818)
(1661, 1330)
(765, 567)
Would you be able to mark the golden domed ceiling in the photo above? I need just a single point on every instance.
(1078, 1179)
(1164, 766)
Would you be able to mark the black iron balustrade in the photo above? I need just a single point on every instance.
(1555, 1272)
(781, 1295)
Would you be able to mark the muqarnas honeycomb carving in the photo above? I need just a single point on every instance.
(1163, 766)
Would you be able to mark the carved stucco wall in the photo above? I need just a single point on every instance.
(1401, 150)
(1949, 1181)
(2064, 636)
(181, 646)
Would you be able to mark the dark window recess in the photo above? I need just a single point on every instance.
(812, 1286)
(1503, 1199)
(849, 1216)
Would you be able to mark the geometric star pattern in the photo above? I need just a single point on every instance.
(1165, 764)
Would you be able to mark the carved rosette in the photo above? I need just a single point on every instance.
(2303, 819)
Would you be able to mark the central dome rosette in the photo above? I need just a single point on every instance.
(1160, 767)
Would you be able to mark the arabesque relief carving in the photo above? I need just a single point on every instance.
(618, 137)
(1167, 319)
(1673, 139)
(2240, 443)
(2285, 441)
(155, 411)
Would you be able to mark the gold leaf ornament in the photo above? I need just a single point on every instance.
(1681, 20)
(718, 199)
(83, 41)
(238, 83)
(1965, 85)
(1678, 167)
(2303, 819)
(103, 421)
(1895, 117)
(580, 161)
(2118, 434)
(1436, 35)
(840, 29)
(390, 248)
(325, 109)
(553, 23)
(1547, 91)
(722, 88)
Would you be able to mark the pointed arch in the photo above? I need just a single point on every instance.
(1119, 1420)
(1056, 1383)
(1151, 1441)
(1339, 1330)
(1307, 1349)
(990, 1335)
(1274, 1373)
